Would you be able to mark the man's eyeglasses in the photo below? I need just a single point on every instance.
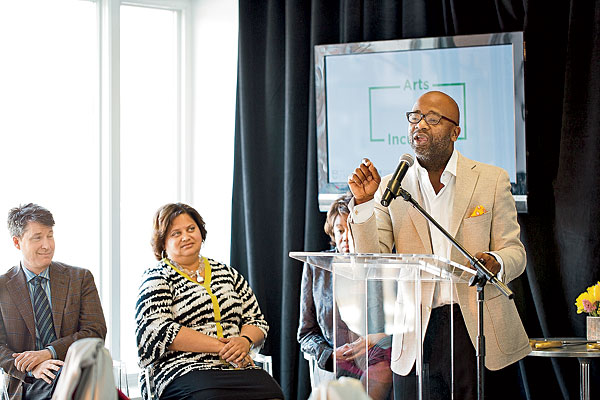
(432, 118)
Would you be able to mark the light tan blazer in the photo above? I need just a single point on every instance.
(497, 230)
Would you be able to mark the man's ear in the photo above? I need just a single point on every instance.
(16, 242)
(455, 133)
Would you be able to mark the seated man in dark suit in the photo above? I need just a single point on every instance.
(45, 306)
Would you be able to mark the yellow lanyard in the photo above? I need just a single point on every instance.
(206, 285)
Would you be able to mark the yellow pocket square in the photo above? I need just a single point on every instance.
(479, 210)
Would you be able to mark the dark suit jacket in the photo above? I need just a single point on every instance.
(76, 311)
(315, 331)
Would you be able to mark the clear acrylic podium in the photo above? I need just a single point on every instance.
(382, 306)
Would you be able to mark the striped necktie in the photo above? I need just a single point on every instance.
(43, 315)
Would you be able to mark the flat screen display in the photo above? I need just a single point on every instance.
(365, 89)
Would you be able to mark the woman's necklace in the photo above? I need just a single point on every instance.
(193, 274)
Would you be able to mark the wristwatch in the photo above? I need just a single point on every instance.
(249, 341)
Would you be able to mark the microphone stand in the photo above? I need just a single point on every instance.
(480, 279)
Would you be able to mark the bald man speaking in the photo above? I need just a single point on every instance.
(473, 202)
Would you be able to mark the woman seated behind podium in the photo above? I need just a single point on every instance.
(197, 319)
(315, 332)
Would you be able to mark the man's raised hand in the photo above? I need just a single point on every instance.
(364, 181)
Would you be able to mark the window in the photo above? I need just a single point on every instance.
(97, 111)
(49, 123)
(150, 137)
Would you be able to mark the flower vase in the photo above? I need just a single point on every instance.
(593, 328)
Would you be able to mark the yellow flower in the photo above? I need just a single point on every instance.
(594, 292)
(579, 302)
(589, 300)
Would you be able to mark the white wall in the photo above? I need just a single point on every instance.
(213, 117)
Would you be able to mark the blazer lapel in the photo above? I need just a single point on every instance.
(466, 180)
(412, 186)
(59, 282)
(19, 293)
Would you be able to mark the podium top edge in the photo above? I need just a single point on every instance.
(328, 259)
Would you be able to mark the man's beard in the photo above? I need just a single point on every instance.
(436, 154)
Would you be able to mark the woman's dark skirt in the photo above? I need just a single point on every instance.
(245, 384)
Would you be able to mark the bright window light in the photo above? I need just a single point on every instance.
(49, 123)
(150, 160)
(57, 139)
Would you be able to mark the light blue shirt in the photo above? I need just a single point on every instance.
(46, 286)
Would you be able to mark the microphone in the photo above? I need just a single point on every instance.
(393, 186)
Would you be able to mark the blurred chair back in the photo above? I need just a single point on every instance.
(4, 379)
(345, 388)
(87, 373)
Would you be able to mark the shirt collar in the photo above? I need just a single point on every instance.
(452, 162)
(30, 275)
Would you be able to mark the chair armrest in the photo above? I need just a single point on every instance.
(149, 378)
(266, 362)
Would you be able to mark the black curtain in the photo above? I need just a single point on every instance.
(275, 207)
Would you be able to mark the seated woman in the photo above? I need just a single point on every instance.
(197, 319)
(315, 332)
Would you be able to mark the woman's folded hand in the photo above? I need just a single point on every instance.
(235, 350)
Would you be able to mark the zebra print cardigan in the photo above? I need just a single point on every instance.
(167, 301)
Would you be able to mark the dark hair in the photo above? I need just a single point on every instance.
(338, 207)
(163, 219)
(19, 217)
